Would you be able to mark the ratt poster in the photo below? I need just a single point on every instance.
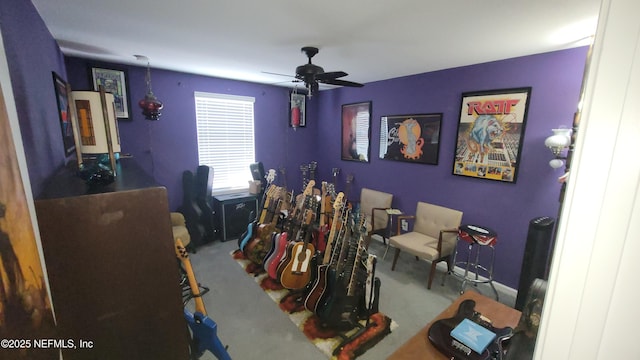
(490, 134)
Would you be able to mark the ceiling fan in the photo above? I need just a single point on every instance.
(312, 74)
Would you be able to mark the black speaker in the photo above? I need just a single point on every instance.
(233, 212)
(536, 256)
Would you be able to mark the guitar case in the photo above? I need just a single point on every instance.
(191, 210)
(204, 200)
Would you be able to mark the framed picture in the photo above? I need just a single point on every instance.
(297, 110)
(115, 82)
(356, 130)
(64, 114)
(25, 302)
(410, 138)
(490, 134)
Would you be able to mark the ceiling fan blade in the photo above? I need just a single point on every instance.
(331, 75)
(341, 83)
(271, 73)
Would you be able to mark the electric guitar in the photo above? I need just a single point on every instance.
(323, 228)
(204, 329)
(320, 283)
(280, 247)
(260, 245)
(440, 335)
(341, 309)
(297, 272)
(252, 227)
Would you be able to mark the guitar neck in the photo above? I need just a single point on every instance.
(182, 254)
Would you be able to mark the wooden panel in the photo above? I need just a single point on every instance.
(113, 274)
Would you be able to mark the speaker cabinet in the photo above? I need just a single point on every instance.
(536, 256)
(234, 213)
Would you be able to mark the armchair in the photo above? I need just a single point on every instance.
(179, 227)
(432, 238)
(373, 205)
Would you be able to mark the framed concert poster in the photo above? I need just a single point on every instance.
(410, 138)
(297, 110)
(490, 134)
(115, 82)
(356, 131)
(62, 100)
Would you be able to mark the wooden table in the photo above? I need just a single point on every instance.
(419, 346)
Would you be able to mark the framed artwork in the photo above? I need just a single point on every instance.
(297, 110)
(490, 134)
(24, 299)
(64, 114)
(115, 82)
(356, 131)
(410, 138)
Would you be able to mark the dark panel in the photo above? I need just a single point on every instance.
(113, 274)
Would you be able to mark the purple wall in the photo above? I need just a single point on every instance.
(555, 79)
(168, 147)
(32, 55)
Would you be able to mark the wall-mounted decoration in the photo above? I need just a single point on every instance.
(116, 83)
(62, 99)
(297, 110)
(410, 138)
(490, 134)
(356, 130)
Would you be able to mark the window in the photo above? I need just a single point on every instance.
(226, 138)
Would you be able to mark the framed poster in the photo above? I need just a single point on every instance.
(297, 110)
(410, 138)
(490, 134)
(356, 130)
(115, 82)
(25, 304)
(64, 114)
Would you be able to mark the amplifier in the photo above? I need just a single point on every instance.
(233, 213)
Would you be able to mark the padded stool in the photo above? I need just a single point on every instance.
(479, 239)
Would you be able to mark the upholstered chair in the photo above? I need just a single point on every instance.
(373, 205)
(432, 238)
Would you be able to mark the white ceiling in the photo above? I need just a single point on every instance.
(369, 39)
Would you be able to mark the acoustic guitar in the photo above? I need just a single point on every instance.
(297, 272)
(204, 329)
(440, 335)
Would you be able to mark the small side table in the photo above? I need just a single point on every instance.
(393, 219)
(479, 239)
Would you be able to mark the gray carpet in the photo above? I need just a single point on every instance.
(252, 325)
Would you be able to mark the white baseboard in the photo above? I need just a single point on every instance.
(501, 288)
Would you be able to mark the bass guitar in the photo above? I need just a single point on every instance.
(204, 329)
(297, 272)
(440, 335)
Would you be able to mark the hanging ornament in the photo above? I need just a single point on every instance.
(150, 105)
